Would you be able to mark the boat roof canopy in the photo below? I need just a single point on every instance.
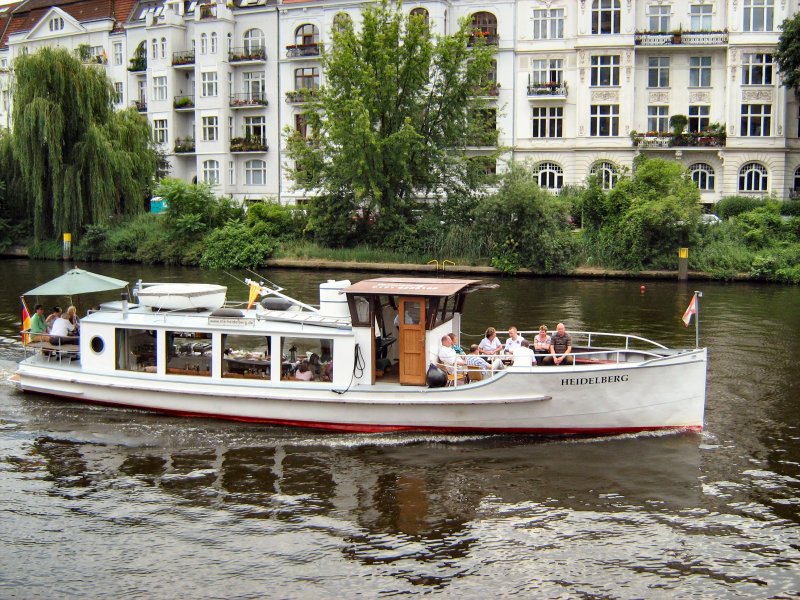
(412, 286)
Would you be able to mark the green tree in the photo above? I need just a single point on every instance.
(787, 54)
(392, 121)
(81, 162)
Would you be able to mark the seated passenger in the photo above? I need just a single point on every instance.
(561, 346)
(541, 345)
(490, 345)
(303, 372)
(514, 340)
(448, 356)
(63, 328)
(38, 325)
(523, 356)
(456, 346)
(53, 316)
(72, 317)
(474, 359)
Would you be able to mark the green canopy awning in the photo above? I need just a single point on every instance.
(77, 281)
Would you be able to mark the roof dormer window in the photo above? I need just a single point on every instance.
(56, 24)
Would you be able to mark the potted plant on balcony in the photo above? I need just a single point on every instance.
(678, 124)
(677, 35)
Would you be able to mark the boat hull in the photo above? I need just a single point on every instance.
(667, 393)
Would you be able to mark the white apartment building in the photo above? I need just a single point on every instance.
(583, 86)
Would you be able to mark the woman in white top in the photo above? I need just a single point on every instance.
(62, 327)
(541, 345)
(490, 345)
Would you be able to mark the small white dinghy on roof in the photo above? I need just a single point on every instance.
(182, 296)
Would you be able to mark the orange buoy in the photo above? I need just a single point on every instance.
(642, 289)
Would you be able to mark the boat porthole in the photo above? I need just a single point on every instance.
(97, 344)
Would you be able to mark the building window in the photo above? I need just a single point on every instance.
(415, 12)
(547, 71)
(606, 16)
(142, 83)
(118, 92)
(210, 131)
(658, 119)
(301, 125)
(253, 41)
(231, 173)
(229, 37)
(698, 118)
(658, 72)
(154, 49)
(548, 24)
(758, 15)
(550, 176)
(163, 47)
(254, 87)
(757, 69)
(605, 120)
(796, 187)
(255, 127)
(703, 175)
(203, 43)
(306, 35)
(485, 23)
(56, 24)
(208, 87)
(658, 17)
(214, 42)
(605, 70)
(211, 171)
(756, 120)
(548, 121)
(255, 172)
(159, 88)
(753, 177)
(606, 173)
(306, 78)
(700, 71)
(117, 53)
(700, 17)
(160, 131)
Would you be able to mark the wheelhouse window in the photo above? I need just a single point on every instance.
(246, 356)
(606, 17)
(188, 353)
(758, 15)
(703, 175)
(135, 350)
(658, 72)
(550, 176)
(753, 177)
(605, 71)
(604, 120)
(548, 24)
(607, 174)
(756, 120)
(548, 121)
(757, 69)
(306, 359)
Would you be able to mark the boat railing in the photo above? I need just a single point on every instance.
(62, 350)
(592, 338)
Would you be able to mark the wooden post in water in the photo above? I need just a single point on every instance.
(683, 264)
(66, 250)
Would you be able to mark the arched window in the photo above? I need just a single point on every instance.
(753, 177)
(342, 21)
(606, 16)
(703, 175)
(214, 43)
(154, 49)
(485, 23)
(211, 171)
(306, 35)
(163, 47)
(230, 42)
(550, 176)
(203, 43)
(420, 12)
(607, 173)
(255, 172)
(253, 41)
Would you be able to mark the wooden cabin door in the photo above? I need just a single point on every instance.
(413, 361)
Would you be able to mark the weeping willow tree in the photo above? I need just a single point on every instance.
(82, 163)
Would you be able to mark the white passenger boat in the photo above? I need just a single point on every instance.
(357, 362)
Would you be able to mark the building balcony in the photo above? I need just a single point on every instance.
(681, 38)
(491, 90)
(208, 11)
(183, 60)
(550, 89)
(301, 50)
(141, 105)
(697, 139)
(184, 146)
(301, 95)
(490, 39)
(183, 102)
(247, 55)
(248, 100)
(249, 144)
(138, 64)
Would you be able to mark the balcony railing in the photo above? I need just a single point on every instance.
(184, 146)
(249, 144)
(490, 39)
(702, 139)
(138, 64)
(248, 99)
(242, 54)
(297, 50)
(683, 38)
(208, 11)
(183, 58)
(550, 88)
(141, 105)
(183, 102)
(301, 95)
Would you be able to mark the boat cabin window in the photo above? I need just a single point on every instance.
(360, 309)
(135, 350)
(246, 356)
(306, 359)
(188, 353)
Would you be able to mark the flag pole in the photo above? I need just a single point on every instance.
(697, 294)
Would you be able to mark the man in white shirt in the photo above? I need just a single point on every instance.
(448, 356)
(62, 328)
(514, 340)
(523, 356)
